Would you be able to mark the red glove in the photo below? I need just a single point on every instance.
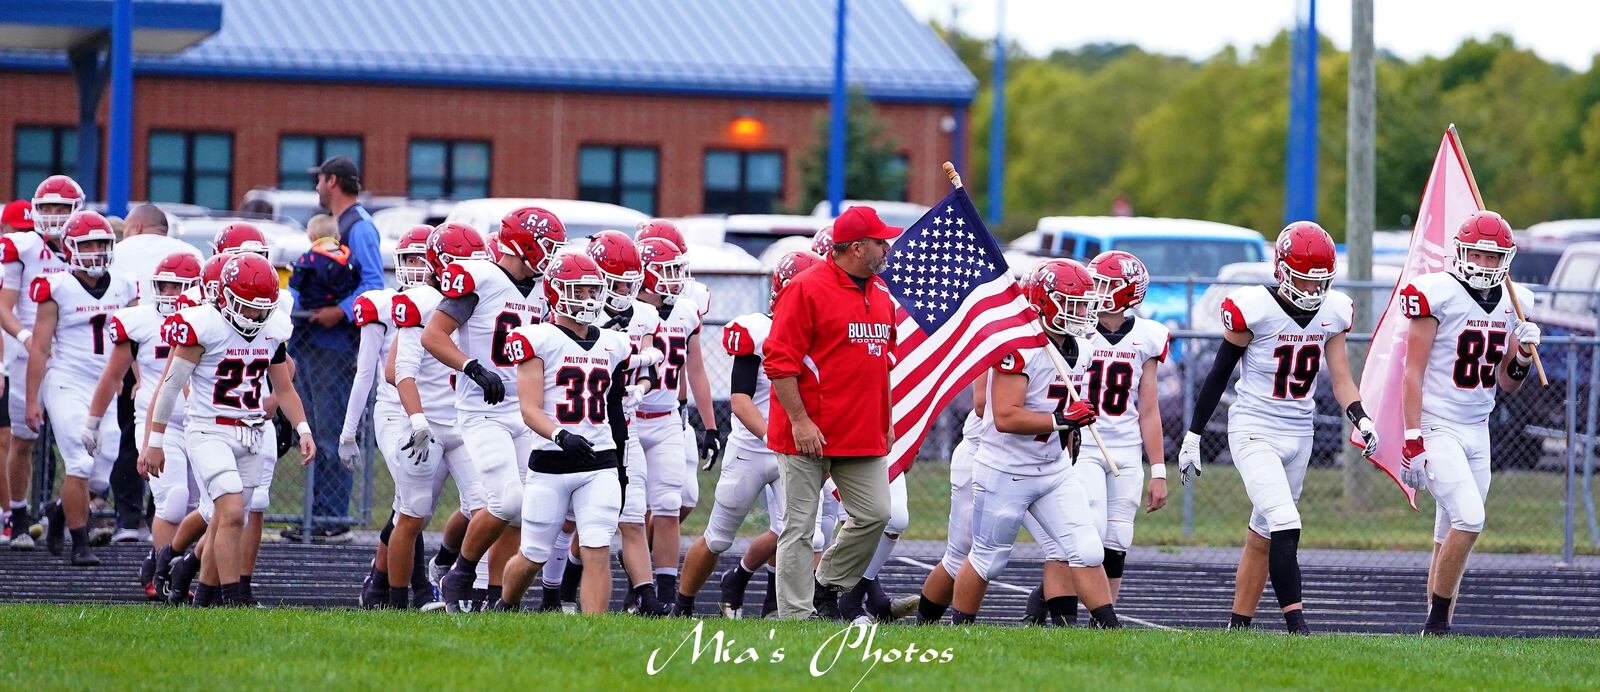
(1414, 460)
(1077, 414)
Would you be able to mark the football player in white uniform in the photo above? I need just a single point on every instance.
(25, 257)
(939, 585)
(1461, 325)
(136, 342)
(1283, 334)
(751, 467)
(483, 301)
(71, 344)
(1032, 423)
(657, 423)
(570, 376)
(224, 355)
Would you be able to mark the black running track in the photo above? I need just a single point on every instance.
(1509, 602)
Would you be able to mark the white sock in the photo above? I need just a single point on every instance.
(669, 571)
(880, 556)
(557, 567)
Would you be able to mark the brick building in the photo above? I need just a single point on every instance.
(673, 107)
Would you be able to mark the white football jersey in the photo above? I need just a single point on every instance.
(577, 378)
(1116, 367)
(140, 327)
(679, 324)
(376, 307)
(1030, 455)
(230, 380)
(436, 382)
(637, 323)
(1283, 359)
(1474, 338)
(26, 257)
(502, 306)
(745, 336)
(82, 345)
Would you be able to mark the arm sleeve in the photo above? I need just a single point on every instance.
(459, 308)
(616, 416)
(366, 374)
(790, 339)
(746, 373)
(171, 390)
(1211, 392)
(408, 356)
(363, 244)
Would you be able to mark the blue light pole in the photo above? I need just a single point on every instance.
(997, 120)
(836, 117)
(120, 139)
(1300, 185)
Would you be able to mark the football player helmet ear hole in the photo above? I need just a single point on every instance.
(1304, 264)
(574, 286)
(1485, 232)
(1063, 293)
(249, 293)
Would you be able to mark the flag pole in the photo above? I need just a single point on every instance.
(1472, 183)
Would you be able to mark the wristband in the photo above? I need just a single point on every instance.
(24, 335)
(303, 428)
(1413, 433)
(1158, 472)
(1354, 412)
(418, 421)
(156, 439)
(1517, 369)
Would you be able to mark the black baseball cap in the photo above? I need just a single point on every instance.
(340, 167)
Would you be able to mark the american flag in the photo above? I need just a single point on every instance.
(958, 312)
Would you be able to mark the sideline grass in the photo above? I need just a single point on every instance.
(125, 647)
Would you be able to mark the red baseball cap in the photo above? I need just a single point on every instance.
(857, 223)
(18, 215)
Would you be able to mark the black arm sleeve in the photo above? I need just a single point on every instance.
(1211, 392)
(746, 372)
(615, 415)
(460, 309)
(280, 355)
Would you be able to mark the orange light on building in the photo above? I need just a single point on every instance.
(747, 130)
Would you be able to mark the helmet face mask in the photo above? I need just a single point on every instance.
(575, 288)
(88, 243)
(249, 293)
(167, 291)
(666, 269)
(1479, 276)
(91, 256)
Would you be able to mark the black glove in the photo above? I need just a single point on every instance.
(287, 438)
(576, 445)
(710, 448)
(494, 388)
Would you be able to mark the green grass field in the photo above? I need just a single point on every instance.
(124, 647)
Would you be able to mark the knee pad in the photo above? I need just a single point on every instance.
(260, 499)
(505, 503)
(987, 564)
(1464, 508)
(225, 483)
(534, 553)
(720, 530)
(388, 529)
(664, 500)
(1119, 535)
(99, 487)
(173, 505)
(899, 518)
(952, 564)
(1114, 562)
(1281, 517)
(1091, 552)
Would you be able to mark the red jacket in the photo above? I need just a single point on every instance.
(839, 342)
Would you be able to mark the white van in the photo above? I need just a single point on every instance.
(581, 219)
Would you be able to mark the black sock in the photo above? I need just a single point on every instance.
(1296, 621)
(1283, 566)
(228, 594)
(465, 566)
(445, 557)
(244, 589)
(1063, 610)
(929, 612)
(399, 597)
(1238, 622)
(419, 570)
(1105, 617)
(1114, 562)
(769, 604)
(1439, 613)
(80, 537)
(959, 618)
(878, 602)
(737, 578)
(666, 583)
(204, 595)
(684, 603)
(571, 578)
(380, 580)
(494, 594)
(1036, 610)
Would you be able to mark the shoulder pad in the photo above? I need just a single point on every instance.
(39, 290)
(1011, 363)
(457, 280)
(522, 344)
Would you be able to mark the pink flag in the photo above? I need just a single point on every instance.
(1448, 200)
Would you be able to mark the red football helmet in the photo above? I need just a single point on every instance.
(532, 235)
(240, 237)
(249, 283)
(453, 242)
(664, 229)
(822, 242)
(574, 286)
(1063, 293)
(174, 275)
(211, 279)
(57, 191)
(411, 257)
(790, 266)
(88, 227)
(491, 244)
(666, 270)
(1120, 279)
(618, 259)
(1483, 231)
(1304, 251)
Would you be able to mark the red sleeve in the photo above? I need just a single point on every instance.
(8, 250)
(1232, 317)
(518, 348)
(366, 313)
(39, 290)
(790, 339)
(405, 312)
(178, 332)
(1413, 303)
(1011, 363)
(119, 333)
(736, 340)
(456, 281)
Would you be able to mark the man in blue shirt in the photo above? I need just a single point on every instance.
(324, 345)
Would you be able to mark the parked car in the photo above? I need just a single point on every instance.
(286, 240)
(581, 218)
(270, 202)
(394, 221)
(754, 233)
(901, 214)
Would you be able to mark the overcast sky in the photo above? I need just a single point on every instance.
(1566, 31)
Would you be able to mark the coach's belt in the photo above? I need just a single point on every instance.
(647, 415)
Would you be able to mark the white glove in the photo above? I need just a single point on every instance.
(1414, 461)
(91, 434)
(1369, 437)
(421, 438)
(349, 451)
(1527, 334)
(1189, 457)
(648, 357)
(634, 393)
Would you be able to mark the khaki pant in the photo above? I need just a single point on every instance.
(863, 491)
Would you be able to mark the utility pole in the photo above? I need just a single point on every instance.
(1360, 214)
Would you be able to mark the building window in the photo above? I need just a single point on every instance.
(619, 175)
(448, 168)
(42, 151)
(743, 182)
(192, 168)
(297, 153)
(900, 167)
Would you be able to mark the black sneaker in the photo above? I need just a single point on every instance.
(826, 602)
(161, 579)
(184, 568)
(55, 538)
(732, 600)
(1432, 630)
(374, 592)
(293, 534)
(455, 589)
(852, 603)
(147, 571)
(651, 605)
(83, 555)
(552, 600)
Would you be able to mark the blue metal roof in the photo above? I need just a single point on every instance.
(758, 48)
